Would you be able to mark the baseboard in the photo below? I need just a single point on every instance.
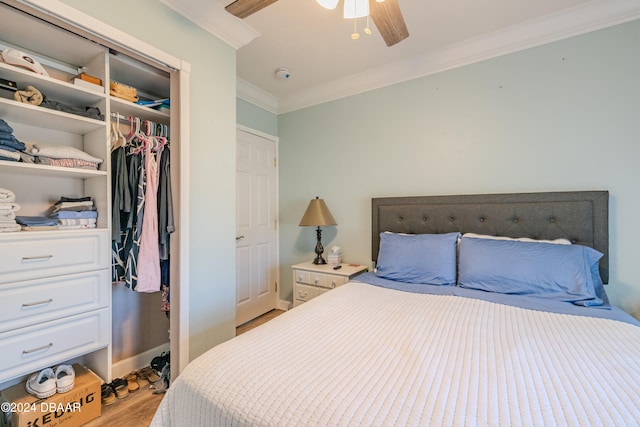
(139, 361)
(283, 304)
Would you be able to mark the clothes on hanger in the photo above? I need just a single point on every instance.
(142, 212)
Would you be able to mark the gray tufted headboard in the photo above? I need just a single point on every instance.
(580, 216)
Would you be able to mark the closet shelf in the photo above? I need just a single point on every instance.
(45, 170)
(54, 89)
(126, 108)
(28, 114)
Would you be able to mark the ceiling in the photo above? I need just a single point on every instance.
(315, 44)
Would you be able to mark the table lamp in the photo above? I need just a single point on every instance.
(317, 215)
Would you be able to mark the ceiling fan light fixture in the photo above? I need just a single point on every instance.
(328, 4)
(355, 8)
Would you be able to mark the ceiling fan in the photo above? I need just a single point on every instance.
(386, 15)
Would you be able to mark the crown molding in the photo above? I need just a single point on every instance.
(592, 16)
(256, 96)
(212, 17)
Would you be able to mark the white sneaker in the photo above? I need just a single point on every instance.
(42, 384)
(65, 378)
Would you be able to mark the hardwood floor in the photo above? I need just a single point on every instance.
(138, 408)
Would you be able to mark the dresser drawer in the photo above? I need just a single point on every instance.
(30, 349)
(301, 276)
(304, 292)
(40, 300)
(32, 255)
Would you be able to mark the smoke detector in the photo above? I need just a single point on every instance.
(282, 73)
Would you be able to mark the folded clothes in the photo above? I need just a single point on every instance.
(74, 208)
(7, 196)
(12, 141)
(67, 163)
(76, 227)
(73, 204)
(74, 215)
(4, 127)
(72, 222)
(5, 228)
(32, 221)
(73, 199)
(38, 227)
(91, 112)
(61, 152)
(9, 155)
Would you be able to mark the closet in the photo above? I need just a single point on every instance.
(58, 303)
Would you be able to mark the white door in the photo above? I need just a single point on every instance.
(256, 226)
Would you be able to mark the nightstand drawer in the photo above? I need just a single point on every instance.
(302, 276)
(304, 292)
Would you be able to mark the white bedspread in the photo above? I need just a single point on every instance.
(368, 356)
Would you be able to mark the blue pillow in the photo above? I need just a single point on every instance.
(418, 258)
(559, 272)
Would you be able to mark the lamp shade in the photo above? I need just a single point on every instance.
(328, 4)
(317, 214)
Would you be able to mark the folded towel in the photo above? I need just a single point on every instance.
(28, 95)
(32, 221)
(78, 221)
(9, 207)
(7, 217)
(74, 215)
(7, 196)
(5, 228)
(61, 152)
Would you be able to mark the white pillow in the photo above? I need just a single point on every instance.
(519, 239)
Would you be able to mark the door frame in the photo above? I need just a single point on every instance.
(279, 303)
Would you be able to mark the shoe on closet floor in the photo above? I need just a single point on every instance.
(108, 396)
(65, 378)
(42, 384)
(121, 387)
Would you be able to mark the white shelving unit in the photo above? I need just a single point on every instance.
(54, 281)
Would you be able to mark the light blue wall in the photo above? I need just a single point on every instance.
(256, 118)
(559, 117)
(212, 129)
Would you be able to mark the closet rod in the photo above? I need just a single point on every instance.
(118, 116)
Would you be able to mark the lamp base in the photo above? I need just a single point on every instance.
(319, 249)
(319, 260)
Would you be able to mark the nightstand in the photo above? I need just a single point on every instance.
(311, 280)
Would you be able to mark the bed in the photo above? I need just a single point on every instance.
(458, 325)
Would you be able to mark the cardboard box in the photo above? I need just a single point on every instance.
(73, 408)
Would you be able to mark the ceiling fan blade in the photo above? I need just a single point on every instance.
(389, 21)
(244, 8)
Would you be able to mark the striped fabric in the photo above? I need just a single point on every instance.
(367, 356)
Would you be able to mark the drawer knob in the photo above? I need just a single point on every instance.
(42, 347)
(37, 258)
(31, 304)
(333, 284)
